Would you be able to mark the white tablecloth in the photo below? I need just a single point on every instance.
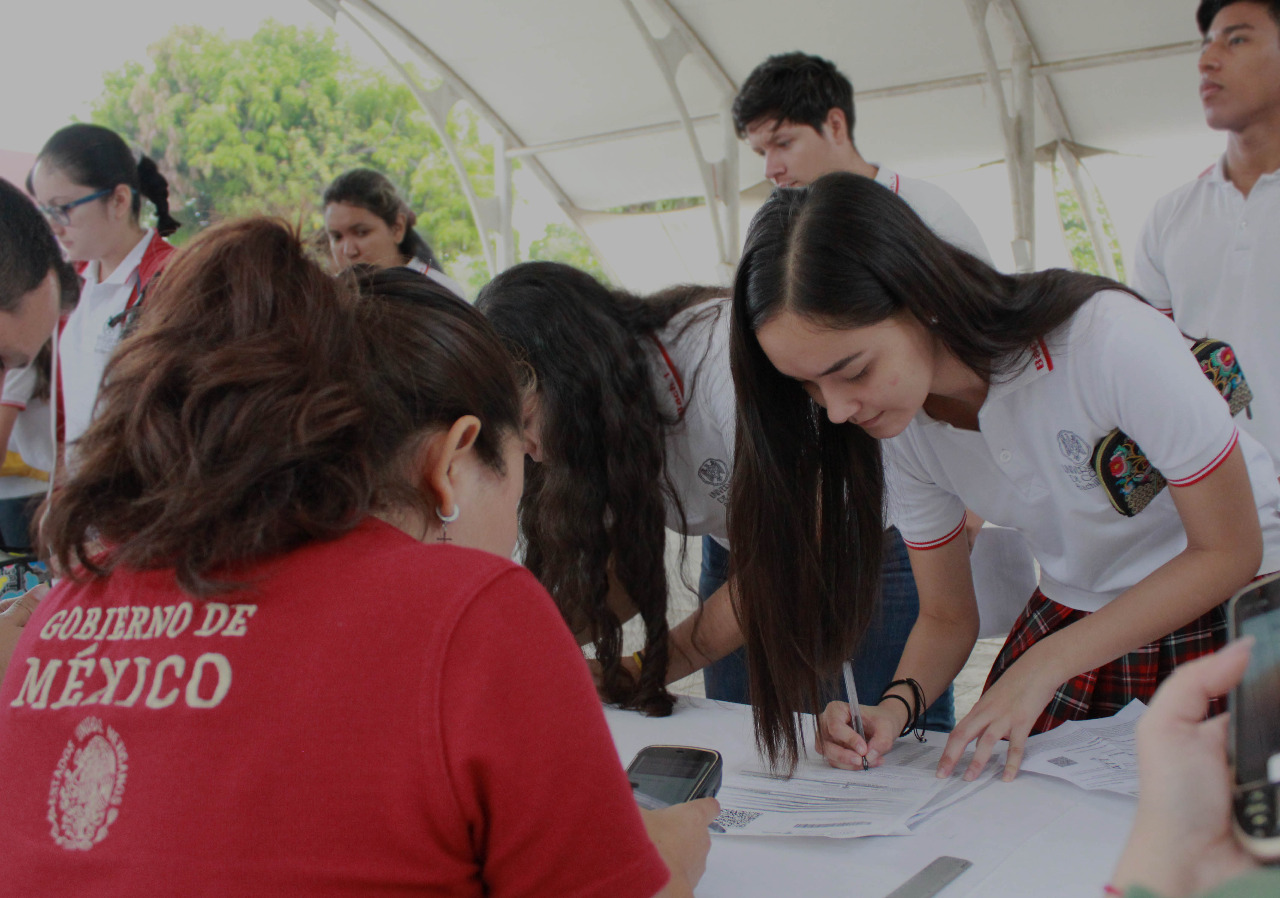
(1035, 836)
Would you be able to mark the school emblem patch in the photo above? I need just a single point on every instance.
(713, 472)
(87, 786)
(1077, 451)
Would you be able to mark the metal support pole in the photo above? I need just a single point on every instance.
(1017, 126)
(506, 251)
(1088, 209)
(719, 180)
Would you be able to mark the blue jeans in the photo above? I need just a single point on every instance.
(877, 658)
(15, 521)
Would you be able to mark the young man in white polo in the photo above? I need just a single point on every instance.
(1209, 256)
(796, 112)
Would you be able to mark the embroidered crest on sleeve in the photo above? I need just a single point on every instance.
(87, 786)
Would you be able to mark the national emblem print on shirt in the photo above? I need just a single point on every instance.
(87, 786)
(1077, 451)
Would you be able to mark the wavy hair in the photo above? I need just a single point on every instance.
(598, 503)
(807, 497)
(260, 405)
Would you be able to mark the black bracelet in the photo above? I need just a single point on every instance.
(906, 705)
(916, 714)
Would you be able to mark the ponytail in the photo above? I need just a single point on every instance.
(154, 187)
(98, 158)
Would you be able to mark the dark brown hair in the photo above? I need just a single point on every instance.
(260, 405)
(806, 501)
(599, 500)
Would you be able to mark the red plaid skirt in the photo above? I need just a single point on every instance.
(1104, 691)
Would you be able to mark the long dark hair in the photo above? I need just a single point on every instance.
(261, 405)
(97, 157)
(598, 503)
(373, 191)
(806, 502)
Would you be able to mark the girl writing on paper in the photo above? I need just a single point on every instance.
(876, 364)
(630, 430)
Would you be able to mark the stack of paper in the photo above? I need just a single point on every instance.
(820, 800)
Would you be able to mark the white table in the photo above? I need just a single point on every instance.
(1034, 837)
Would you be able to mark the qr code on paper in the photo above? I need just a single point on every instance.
(1062, 761)
(731, 819)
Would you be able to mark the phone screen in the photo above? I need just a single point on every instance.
(667, 774)
(1256, 710)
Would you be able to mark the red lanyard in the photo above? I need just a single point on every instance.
(671, 377)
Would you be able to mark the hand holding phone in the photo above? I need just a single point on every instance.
(1181, 842)
(663, 775)
(1255, 720)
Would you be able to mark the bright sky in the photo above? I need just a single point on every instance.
(57, 51)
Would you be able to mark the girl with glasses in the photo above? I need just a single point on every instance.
(90, 186)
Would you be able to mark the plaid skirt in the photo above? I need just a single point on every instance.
(1104, 691)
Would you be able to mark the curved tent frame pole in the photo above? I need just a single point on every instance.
(1031, 87)
(719, 179)
(492, 215)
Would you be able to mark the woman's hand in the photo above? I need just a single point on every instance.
(1181, 842)
(14, 614)
(841, 745)
(1008, 710)
(681, 836)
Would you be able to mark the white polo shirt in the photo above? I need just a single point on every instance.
(939, 210)
(1116, 363)
(1210, 257)
(438, 276)
(32, 436)
(690, 365)
(91, 333)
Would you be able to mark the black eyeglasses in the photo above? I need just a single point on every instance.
(61, 214)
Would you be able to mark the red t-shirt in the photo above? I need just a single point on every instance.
(366, 716)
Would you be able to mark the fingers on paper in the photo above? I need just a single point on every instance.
(839, 743)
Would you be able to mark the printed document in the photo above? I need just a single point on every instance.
(821, 800)
(1092, 754)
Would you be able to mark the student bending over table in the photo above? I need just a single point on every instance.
(857, 331)
(279, 677)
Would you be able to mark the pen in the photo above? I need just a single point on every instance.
(852, 688)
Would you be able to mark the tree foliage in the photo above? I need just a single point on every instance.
(263, 125)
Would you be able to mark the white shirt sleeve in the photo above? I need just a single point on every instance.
(927, 515)
(19, 384)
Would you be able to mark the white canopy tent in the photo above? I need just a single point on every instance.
(612, 103)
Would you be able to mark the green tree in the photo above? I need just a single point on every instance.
(264, 124)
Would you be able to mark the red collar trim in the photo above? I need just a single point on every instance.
(1040, 356)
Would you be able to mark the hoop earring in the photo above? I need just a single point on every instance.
(445, 521)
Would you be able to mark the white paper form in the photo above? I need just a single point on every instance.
(821, 800)
(1092, 754)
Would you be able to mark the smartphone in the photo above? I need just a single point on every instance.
(1255, 720)
(663, 775)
